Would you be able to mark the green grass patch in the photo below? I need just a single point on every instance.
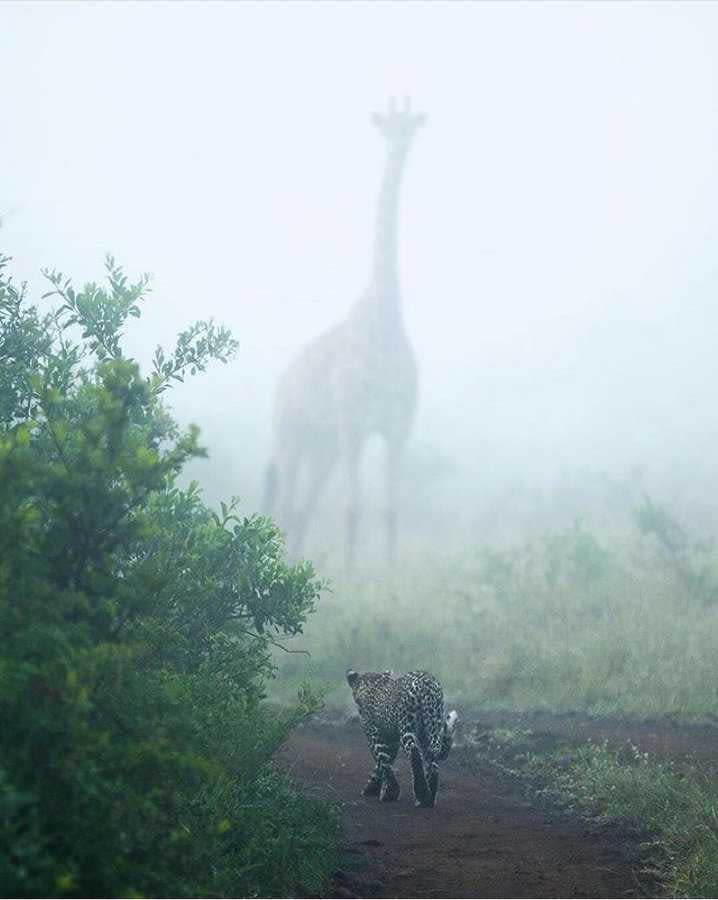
(675, 811)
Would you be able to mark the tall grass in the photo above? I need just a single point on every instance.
(563, 623)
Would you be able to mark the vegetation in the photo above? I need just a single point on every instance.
(621, 626)
(140, 631)
(136, 626)
(673, 810)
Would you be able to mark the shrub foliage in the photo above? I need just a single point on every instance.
(136, 624)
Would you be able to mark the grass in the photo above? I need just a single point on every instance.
(506, 632)
(676, 809)
(290, 840)
(624, 627)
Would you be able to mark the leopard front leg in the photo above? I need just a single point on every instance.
(373, 786)
(382, 781)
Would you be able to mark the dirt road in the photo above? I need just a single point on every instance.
(485, 838)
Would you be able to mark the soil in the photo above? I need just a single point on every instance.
(486, 837)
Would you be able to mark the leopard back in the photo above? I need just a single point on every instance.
(387, 706)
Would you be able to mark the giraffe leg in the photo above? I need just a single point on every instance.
(352, 520)
(288, 483)
(321, 467)
(393, 469)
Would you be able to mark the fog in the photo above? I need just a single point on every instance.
(558, 226)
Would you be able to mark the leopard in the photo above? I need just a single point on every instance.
(406, 712)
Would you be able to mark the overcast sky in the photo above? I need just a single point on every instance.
(559, 229)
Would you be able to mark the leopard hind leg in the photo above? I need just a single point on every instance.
(433, 782)
(410, 745)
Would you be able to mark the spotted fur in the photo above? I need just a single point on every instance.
(405, 712)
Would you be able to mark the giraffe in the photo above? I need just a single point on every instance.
(357, 379)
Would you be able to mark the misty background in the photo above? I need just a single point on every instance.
(558, 230)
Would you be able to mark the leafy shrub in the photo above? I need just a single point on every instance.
(690, 562)
(136, 627)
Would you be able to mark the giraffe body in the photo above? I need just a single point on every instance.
(354, 381)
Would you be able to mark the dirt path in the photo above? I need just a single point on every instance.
(484, 839)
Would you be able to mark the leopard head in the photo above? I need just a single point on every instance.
(364, 685)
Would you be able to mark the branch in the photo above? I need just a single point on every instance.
(265, 637)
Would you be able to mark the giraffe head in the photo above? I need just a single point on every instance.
(398, 125)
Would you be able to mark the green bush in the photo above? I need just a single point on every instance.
(136, 627)
(688, 561)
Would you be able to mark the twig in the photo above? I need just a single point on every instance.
(265, 637)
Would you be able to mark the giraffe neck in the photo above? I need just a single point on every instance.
(385, 271)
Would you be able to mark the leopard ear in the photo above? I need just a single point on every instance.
(352, 677)
(451, 721)
(389, 672)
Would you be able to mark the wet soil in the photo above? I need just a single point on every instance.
(485, 838)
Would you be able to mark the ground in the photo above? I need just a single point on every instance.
(487, 837)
